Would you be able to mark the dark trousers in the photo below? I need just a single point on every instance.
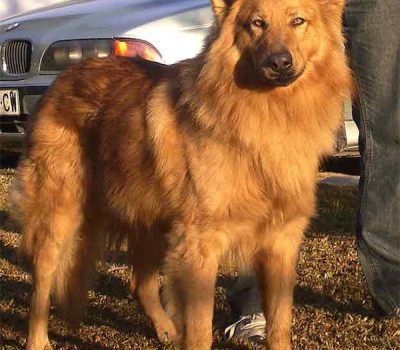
(374, 32)
(374, 47)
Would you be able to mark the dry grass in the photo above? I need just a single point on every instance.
(332, 306)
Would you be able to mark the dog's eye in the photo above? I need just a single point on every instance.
(298, 21)
(259, 23)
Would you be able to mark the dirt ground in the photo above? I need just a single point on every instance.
(332, 307)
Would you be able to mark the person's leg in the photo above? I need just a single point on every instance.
(375, 58)
(245, 301)
(244, 296)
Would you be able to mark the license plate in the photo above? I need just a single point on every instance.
(9, 102)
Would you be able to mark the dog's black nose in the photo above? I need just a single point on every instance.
(280, 62)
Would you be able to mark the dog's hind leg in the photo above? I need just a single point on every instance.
(146, 256)
(275, 265)
(71, 286)
(43, 270)
(48, 259)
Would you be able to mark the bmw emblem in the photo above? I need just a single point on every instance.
(12, 26)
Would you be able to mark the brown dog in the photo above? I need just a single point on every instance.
(212, 157)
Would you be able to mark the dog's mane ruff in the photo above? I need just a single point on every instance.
(224, 107)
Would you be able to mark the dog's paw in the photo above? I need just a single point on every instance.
(166, 332)
(39, 344)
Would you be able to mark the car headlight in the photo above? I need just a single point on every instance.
(61, 54)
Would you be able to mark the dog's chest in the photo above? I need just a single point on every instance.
(233, 184)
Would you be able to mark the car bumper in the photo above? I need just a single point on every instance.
(12, 128)
(12, 142)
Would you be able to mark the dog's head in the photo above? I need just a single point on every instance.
(279, 40)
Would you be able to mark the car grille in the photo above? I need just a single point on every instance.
(16, 56)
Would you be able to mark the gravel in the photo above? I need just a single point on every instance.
(332, 307)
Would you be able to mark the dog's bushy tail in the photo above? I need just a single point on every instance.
(48, 199)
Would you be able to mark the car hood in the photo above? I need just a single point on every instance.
(78, 19)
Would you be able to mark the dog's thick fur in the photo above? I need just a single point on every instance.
(212, 157)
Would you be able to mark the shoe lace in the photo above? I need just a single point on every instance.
(247, 326)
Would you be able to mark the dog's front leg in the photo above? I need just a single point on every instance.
(191, 270)
(275, 265)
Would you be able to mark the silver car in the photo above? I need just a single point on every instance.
(36, 46)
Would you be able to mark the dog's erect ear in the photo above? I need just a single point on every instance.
(333, 7)
(221, 8)
(332, 10)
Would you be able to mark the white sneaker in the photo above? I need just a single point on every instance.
(251, 327)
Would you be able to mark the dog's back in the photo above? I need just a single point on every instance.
(61, 138)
